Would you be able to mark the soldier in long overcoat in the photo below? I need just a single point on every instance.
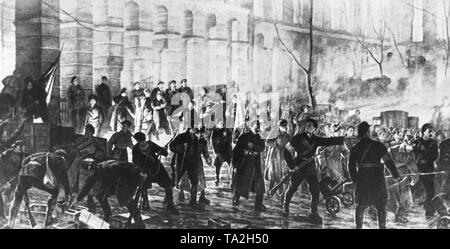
(246, 161)
(367, 172)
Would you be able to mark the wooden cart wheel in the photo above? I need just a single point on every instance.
(347, 199)
(443, 222)
(333, 205)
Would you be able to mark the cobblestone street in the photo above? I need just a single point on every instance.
(240, 217)
(244, 216)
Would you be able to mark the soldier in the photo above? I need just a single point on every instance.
(221, 141)
(189, 147)
(10, 165)
(75, 95)
(305, 145)
(146, 155)
(426, 152)
(367, 172)
(246, 163)
(104, 95)
(120, 141)
(94, 115)
(86, 148)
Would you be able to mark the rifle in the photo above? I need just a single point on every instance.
(289, 175)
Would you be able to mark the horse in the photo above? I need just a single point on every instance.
(45, 171)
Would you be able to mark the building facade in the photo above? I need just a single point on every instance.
(208, 42)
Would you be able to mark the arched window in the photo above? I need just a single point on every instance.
(188, 23)
(161, 20)
(132, 15)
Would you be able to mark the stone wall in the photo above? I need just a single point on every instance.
(7, 38)
(208, 42)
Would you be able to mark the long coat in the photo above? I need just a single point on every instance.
(193, 162)
(400, 196)
(221, 141)
(104, 96)
(370, 182)
(275, 164)
(247, 162)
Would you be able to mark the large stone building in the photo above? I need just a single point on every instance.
(208, 42)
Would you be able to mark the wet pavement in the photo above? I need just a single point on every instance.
(243, 216)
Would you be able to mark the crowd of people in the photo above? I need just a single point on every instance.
(311, 148)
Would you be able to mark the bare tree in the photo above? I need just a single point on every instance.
(379, 45)
(405, 59)
(307, 70)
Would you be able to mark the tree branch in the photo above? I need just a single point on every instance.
(71, 16)
(423, 10)
(397, 48)
(366, 48)
(311, 37)
(291, 54)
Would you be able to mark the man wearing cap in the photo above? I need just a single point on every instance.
(189, 147)
(104, 95)
(367, 172)
(10, 165)
(119, 142)
(426, 152)
(275, 164)
(305, 145)
(147, 156)
(246, 161)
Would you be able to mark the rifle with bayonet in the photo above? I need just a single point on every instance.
(291, 173)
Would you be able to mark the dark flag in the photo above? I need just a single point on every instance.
(47, 79)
